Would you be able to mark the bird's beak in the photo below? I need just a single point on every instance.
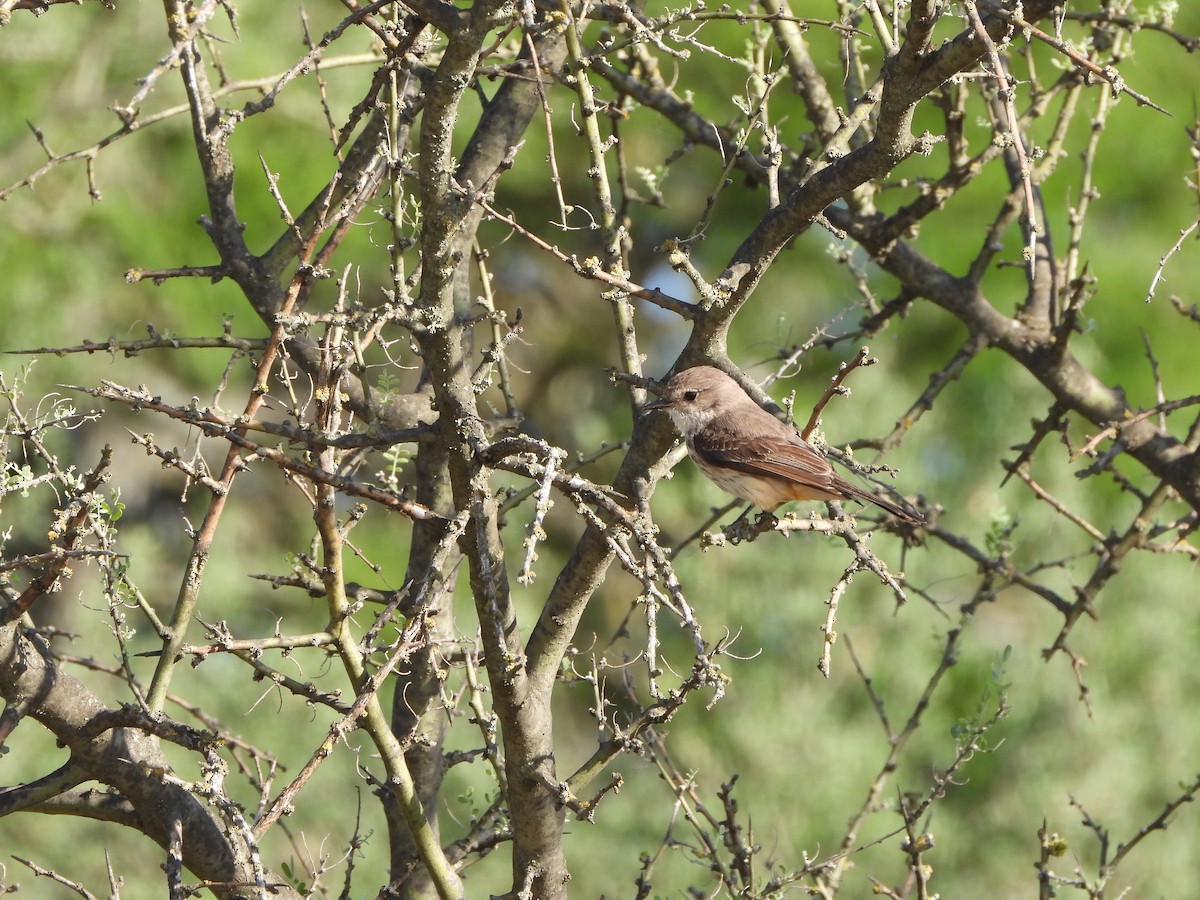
(660, 403)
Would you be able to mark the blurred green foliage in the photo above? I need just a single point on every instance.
(805, 749)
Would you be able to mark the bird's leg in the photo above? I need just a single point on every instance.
(738, 520)
(740, 530)
(766, 519)
(736, 531)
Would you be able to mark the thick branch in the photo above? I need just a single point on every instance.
(130, 761)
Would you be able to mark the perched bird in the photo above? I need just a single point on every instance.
(749, 453)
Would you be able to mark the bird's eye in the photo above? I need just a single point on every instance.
(690, 395)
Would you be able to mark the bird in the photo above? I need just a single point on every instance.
(748, 452)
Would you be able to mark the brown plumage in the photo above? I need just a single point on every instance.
(749, 453)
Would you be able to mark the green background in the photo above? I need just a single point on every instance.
(805, 749)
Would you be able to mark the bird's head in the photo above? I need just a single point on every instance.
(694, 397)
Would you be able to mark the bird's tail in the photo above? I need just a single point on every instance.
(906, 515)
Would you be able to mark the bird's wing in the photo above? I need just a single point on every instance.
(767, 455)
(786, 457)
